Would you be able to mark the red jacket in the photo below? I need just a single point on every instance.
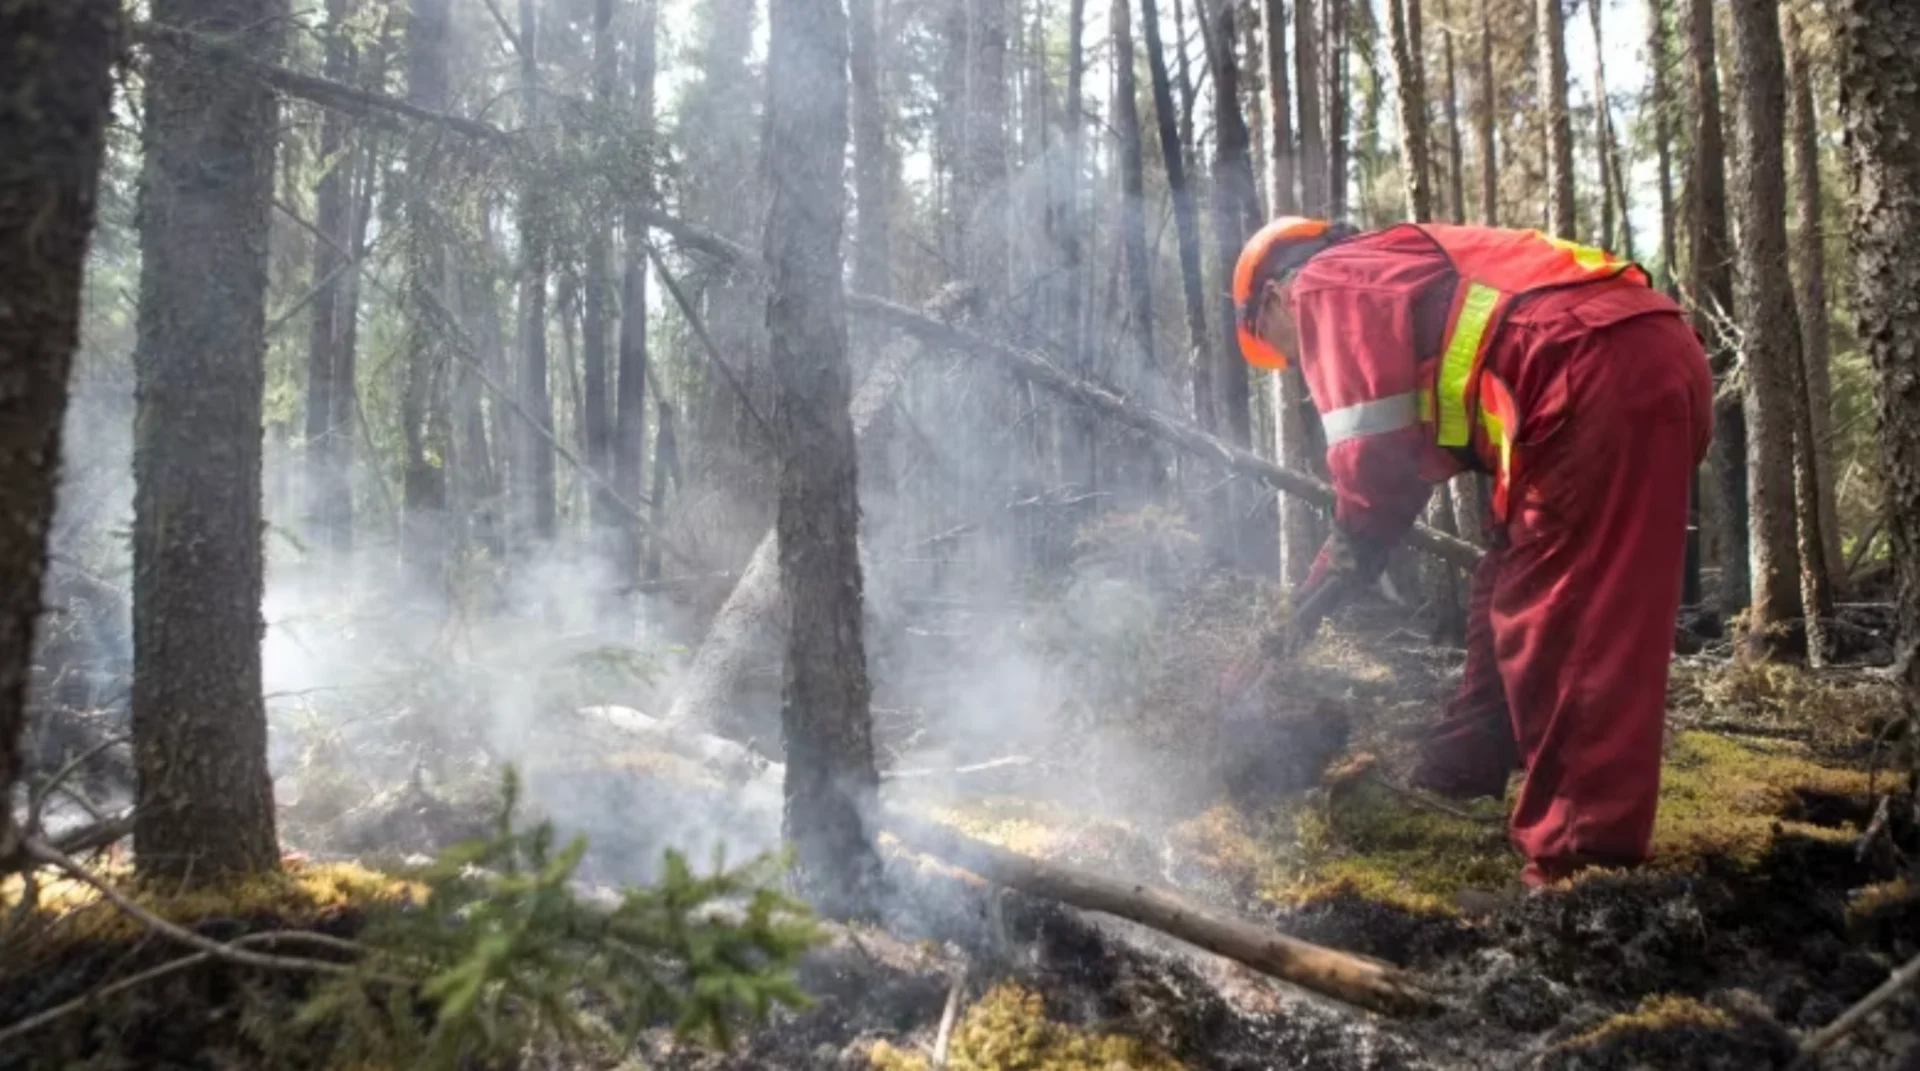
(1376, 314)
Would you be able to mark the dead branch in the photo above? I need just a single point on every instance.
(1045, 374)
(1822, 1039)
(699, 327)
(44, 853)
(321, 91)
(948, 1016)
(94, 997)
(1327, 971)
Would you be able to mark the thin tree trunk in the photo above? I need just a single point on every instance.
(630, 385)
(1133, 209)
(872, 157)
(1483, 123)
(1402, 24)
(333, 209)
(204, 798)
(1318, 186)
(1880, 110)
(1232, 190)
(1769, 323)
(1660, 103)
(536, 468)
(1810, 260)
(1185, 220)
(831, 784)
(596, 418)
(1559, 124)
(1339, 36)
(1283, 198)
(1183, 77)
(666, 464)
(423, 483)
(1456, 163)
(986, 162)
(1710, 285)
(1603, 145)
(56, 90)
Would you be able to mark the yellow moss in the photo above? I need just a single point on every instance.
(1654, 1014)
(1008, 1031)
(299, 894)
(1873, 899)
(1831, 706)
(1719, 797)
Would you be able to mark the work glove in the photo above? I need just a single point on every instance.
(1346, 564)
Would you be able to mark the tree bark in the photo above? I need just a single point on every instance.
(329, 495)
(1810, 262)
(1769, 324)
(596, 417)
(535, 471)
(872, 158)
(1185, 220)
(1660, 103)
(1411, 94)
(56, 90)
(1183, 77)
(986, 159)
(1456, 163)
(1081, 456)
(1552, 44)
(1283, 198)
(1483, 124)
(831, 784)
(1339, 37)
(1233, 190)
(630, 383)
(1607, 147)
(666, 465)
(204, 801)
(1710, 285)
(1133, 208)
(423, 530)
(1880, 111)
(1318, 191)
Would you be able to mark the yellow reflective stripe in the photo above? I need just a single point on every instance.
(1456, 366)
(1594, 260)
(1496, 430)
(1426, 405)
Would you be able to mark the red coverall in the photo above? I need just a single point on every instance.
(1573, 610)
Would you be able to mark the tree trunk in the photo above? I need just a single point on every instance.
(666, 464)
(630, 384)
(831, 784)
(1769, 325)
(56, 89)
(204, 801)
(872, 157)
(329, 495)
(1605, 148)
(596, 418)
(1299, 538)
(1319, 189)
(1233, 189)
(1283, 197)
(1660, 103)
(1339, 37)
(1880, 110)
(1185, 220)
(1810, 260)
(423, 534)
(1402, 23)
(1133, 208)
(1710, 284)
(1561, 219)
(1456, 163)
(1081, 456)
(1183, 77)
(1483, 123)
(986, 161)
(534, 472)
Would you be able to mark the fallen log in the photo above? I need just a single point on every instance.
(1342, 975)
(1050, 377)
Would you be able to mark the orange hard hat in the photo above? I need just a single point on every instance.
(1258, 251)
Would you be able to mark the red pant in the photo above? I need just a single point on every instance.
(1572, 614)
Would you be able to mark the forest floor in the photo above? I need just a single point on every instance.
(1765, 915)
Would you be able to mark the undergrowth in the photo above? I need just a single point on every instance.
(1008, 1030)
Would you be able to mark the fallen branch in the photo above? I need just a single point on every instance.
(1327, 971)
(948, 1016)
(1820, 1040)
(94, 997)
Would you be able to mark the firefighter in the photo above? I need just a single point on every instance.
(1584, 394)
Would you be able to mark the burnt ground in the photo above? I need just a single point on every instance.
(1764, 917)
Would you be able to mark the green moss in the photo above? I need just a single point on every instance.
(1723, 798)
(1008, 1031)
(1654, 1014)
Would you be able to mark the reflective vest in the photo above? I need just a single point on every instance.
(1470, 409)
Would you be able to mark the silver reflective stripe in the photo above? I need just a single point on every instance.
(1372, 418)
